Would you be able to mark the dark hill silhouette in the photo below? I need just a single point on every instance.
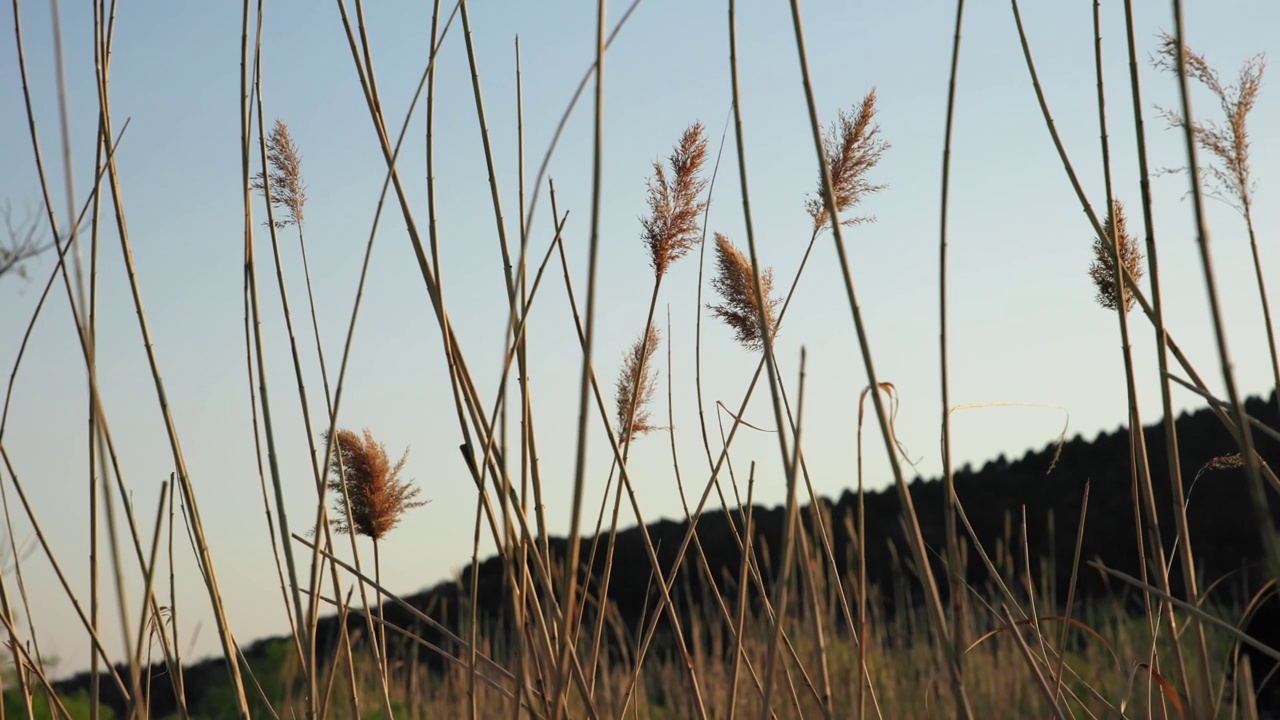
(1048, 483)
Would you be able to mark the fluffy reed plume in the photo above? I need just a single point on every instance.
(637, 372)
(671, 229)
(852, 146)
(1102, 271)
(1229, 180)
(734, 282)
(288, 192)
(378, 496)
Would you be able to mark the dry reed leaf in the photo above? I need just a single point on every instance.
(735, 281)
(1165, 687)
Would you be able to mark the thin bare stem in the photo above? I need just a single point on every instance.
(917, 542)
(1263, 517)
(956, 571)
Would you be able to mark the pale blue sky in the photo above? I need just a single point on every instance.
(1024, 326)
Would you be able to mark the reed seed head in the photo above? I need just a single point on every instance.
(1103, 271)
(1225, 462)
(1229, 178)
(734, 281)
(288, 192)
(378, 496)
(638, 375)
(852, 146)
(671, 230)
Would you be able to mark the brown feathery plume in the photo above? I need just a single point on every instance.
(852, 146)
(637, 372)
(378, 496)
(287, 189)
(671, 229)
(734, 282)
(1103, 271)
(1229, 180)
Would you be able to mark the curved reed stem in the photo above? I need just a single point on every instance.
(913, 522)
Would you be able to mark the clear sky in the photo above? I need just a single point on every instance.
(1024, 324)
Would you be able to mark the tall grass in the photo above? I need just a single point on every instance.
(799, 635)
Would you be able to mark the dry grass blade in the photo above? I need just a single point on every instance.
(853, 147)
(671, 229)
(1166, 689)
(378, 496)
(288, 192)
(1102, 269)
(1036, 621)
(740, 310)
(636, 386)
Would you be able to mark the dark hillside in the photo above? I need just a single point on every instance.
(1222, 521)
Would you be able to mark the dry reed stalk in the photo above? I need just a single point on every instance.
(1238, 429)
(104, 130)
(829, 188)
(954, 552)
(370, 500)
(723, 458)
(465, 395)
(851, 141)
(280, 164)
(1126, 258)
(846, 138)
(1230, 179)
(1172, 454)
(76, 300)
(1102, 271)
(1245, 436)
(615, 444)
(1179, 355)
(740, 308)
(669, 232)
